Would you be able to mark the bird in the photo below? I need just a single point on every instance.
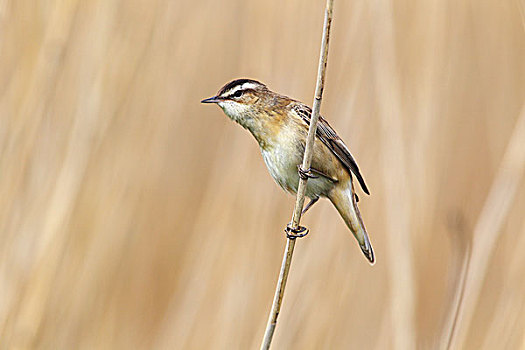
(280, 125)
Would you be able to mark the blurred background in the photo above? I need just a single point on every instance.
(133, 217)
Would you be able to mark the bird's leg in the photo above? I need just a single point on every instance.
(309, 205)
(301, 231)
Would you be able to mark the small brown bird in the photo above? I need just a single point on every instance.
(280, 126)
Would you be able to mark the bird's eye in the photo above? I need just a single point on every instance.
(237, 93)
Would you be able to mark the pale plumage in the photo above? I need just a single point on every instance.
(280, 125)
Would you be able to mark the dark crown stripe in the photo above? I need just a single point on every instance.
(237, 82)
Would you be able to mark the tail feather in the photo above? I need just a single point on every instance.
(344, 199)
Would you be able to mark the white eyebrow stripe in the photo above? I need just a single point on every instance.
(234, 90)
(247, 86)
(244, 86)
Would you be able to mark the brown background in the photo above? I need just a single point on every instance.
(133, 217)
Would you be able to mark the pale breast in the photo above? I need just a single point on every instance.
(282, 158)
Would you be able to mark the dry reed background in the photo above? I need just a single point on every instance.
(132, 217)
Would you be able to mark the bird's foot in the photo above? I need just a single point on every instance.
(306, 174)
(295, 232)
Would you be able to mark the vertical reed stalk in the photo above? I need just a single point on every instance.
(307, 159)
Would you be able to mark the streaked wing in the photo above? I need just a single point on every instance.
(328, 136)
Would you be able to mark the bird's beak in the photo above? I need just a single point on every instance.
(213, 99)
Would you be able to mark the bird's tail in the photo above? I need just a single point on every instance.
(345, 200)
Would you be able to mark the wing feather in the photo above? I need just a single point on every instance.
(329, 137)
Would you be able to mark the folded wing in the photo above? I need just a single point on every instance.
(328, 136)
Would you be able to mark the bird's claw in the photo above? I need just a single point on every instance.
(295, 232)
(306, 174)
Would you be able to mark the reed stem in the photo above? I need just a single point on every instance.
(307, 159)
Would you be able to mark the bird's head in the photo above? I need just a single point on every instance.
(241, 99)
